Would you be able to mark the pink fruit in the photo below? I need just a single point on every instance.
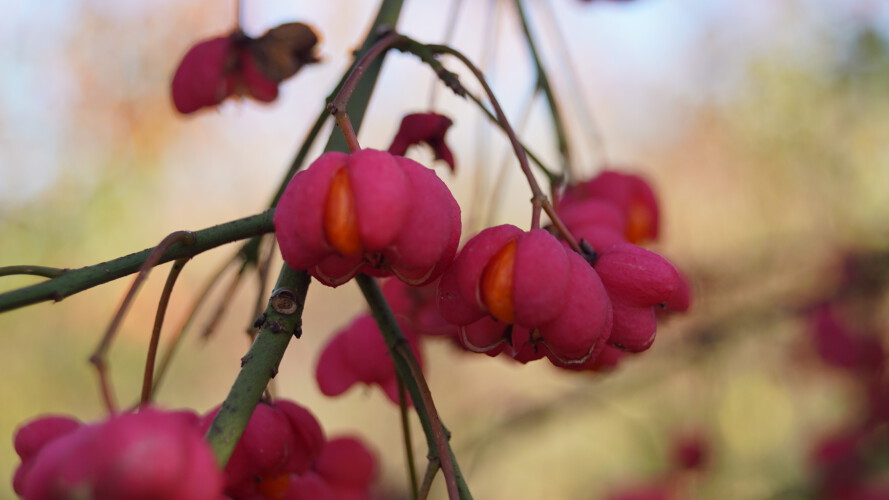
(367, 212)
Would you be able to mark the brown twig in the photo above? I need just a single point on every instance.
(98, 356)
(539, 199)
(408, 442)
(438, 430)
(408, 370)
(164, 301)
(431, 470)
(337, 106)
(175, 340)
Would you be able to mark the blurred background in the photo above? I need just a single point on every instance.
(762, 126)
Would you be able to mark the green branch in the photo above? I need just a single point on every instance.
(46, 272)
(261, 361)
(282, 319)
(78, 280)
(408, 370)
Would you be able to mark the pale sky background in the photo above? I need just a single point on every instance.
(645, 65)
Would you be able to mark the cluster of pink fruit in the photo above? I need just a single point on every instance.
(844, 461)
(283, 454)
(524, 294)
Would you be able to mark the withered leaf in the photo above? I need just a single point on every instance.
(282, 51)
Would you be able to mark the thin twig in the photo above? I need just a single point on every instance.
(408, 442)
(345, 125)
(543, 83)
(432, 469)
(408, 369)
(177, 337)
(380, 47)
(503, 169)
(337, 106)
(538, 199)
(98, 356)
(549, 172)
(451, 26)
(46, 272)
(164, 301)
(480, 184)
(591, 125)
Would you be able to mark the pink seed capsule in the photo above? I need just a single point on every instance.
(368, 212)
(550, 295)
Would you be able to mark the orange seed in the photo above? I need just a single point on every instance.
(496, 284)
(340, 220)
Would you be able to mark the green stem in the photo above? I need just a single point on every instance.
(408, 370)
(265, 354)
(78, 280)
(544, 85)
(283, 319)
(408, 441)
(46, 272)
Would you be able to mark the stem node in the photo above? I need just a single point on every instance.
(284, 301)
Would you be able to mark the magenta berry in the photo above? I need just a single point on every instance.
(358, 354)
(600, 223)
(638, 281)
(368, 212)
(841, 346)
(347, 465)
(282, 438)
(529, 280)
(418, 306)
(34, 435)
(146, 455)
(429, 128)
(630, 194)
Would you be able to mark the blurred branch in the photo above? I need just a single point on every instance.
(283, 316)
(408, 370)
(543, 84)
(539, 199)
(78, 280)
(153, 259)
